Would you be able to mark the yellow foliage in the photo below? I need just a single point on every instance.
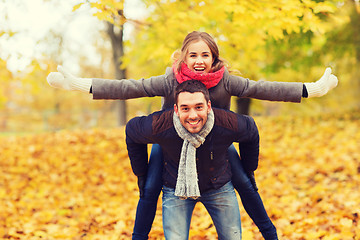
(107, 10)
(79, 184)
(5, 79)
(241, 28)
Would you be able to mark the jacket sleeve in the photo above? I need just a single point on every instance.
(248, 143)
(129, 88)
(138, 134)
(264, 90)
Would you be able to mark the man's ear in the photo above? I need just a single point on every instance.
(176, 110)
(209, 106)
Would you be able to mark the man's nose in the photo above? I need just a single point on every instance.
(192, 114)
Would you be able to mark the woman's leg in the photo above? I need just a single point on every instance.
(250, 198)
(146, 208)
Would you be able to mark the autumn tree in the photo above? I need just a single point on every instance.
(112, 12)
(344, 42)
(5, 81)
(242, 30)
(338, 47)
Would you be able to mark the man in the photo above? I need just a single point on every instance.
(195, 140)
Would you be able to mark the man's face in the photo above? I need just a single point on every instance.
(192, 110)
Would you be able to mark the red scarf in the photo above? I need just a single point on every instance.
(210, 79)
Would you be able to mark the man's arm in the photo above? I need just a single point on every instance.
(248, 143)
(138, 135)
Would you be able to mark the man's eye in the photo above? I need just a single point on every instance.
(199, 108)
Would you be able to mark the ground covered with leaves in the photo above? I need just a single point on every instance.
(79, 185)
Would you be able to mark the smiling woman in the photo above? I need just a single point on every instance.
(199, 57)
(200, 53)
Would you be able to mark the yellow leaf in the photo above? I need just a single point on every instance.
(346, 222)
(324, 7)
(77, 6)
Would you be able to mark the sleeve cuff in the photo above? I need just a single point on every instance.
(82, 84)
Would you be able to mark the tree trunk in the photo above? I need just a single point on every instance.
(116, 37)
(243, 106)
(355, 26)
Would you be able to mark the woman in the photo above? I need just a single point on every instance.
(199, 60)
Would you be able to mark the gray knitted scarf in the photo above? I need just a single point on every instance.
(187, 181)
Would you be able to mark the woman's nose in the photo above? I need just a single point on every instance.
(199, 60)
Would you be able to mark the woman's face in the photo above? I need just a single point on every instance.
(198, 57)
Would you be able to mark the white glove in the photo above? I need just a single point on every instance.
(65, 80)
(319, 88)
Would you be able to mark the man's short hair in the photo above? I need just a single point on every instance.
(191, 86)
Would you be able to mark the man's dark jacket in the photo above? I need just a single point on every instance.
(212, 163)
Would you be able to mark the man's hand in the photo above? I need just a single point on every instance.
(321, 87)
(252, 180)
(65, 80)
(141, 185)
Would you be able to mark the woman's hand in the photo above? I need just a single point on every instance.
(321, 87)
(65, 80)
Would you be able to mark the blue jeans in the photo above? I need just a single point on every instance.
(221, 204)
(146, 208)
(250, 198)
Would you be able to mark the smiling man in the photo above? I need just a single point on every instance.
(192, 110)
(195, 139)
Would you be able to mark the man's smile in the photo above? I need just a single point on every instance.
(193, 122)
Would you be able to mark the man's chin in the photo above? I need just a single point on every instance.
(193, 129)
